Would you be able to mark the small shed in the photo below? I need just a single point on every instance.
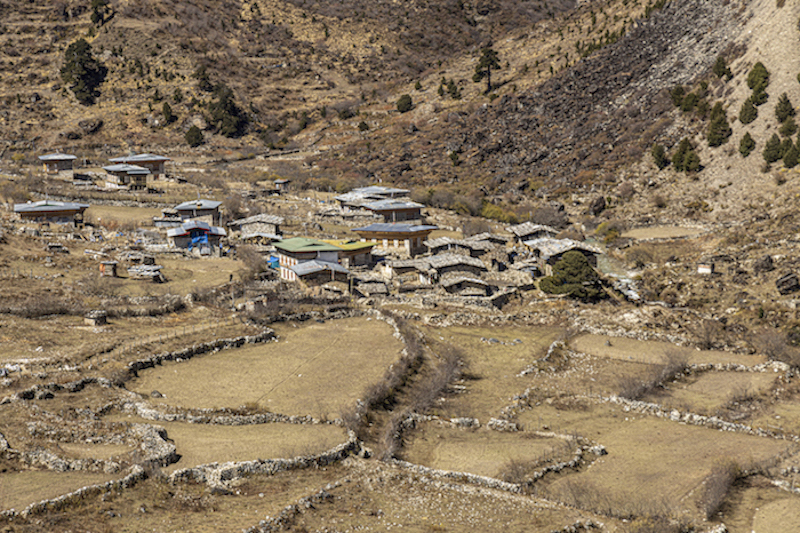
(528, 231)
(108, 268)
(57, 163)
(281, 185)
(466, 286)
(96, 318)
(705, 268)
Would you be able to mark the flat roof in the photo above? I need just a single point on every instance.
(305, 244)
(187, 227)
(312, 267)
(385, 227)
(49, 206)
(130, 169)
(191, 205)
(139, 158)
(392, 204)
(57, 157)
(349, 245)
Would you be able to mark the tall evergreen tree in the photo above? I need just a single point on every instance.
(227, 117)
(748, 113)
(82, 72)
(718, 129)
(483, 69)
(746, 145)
(784, 108)
(659, 156)
(772, 149)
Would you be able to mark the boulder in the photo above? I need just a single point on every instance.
(787, 283)
(764, 264)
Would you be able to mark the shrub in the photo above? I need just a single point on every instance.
(575, 277)
(166, 110)
(721, 70)
(363, 126)
(227, 117)
(748, 113)
(759, 97)
(772, 149)
(418, 86)
(689, 102)
(659, 156)
(746, 145)
(404, 103)
(194, 137)
(676, 93)
(717, 485)
(784, 108)
(719, 131)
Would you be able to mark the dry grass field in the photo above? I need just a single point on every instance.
(660, 232)
(316, 369)
(19, 489)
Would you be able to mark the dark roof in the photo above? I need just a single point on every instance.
(384, 227)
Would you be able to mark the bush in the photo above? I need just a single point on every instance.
(772, 149)
(363, 126)
(575, 277)
(194, 137)
(676, 93)
(689, 102)
(166, 110)
(748, 113)
(721, 70)
(225, 115)
(404, 103)
(746, 145)
(719, 131)
(784, 108)
(659, 156)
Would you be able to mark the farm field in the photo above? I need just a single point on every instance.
(314, 370)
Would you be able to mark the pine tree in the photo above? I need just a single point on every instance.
(748, 113)
(659, 156)
(488, 61)
(784, 109)
(718, 129)
(194, 137)
(685, 158)
(772, 149)
(676, 93)
(404, 103)
(722, 70)
(226, 116)
(758, 78)
(574, 276)
(746, 145)
(790, 157)
(788, 128)
(82, 72)
(166, 110)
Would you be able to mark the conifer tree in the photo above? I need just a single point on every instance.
(784, 108)
(772, 149)
(746, 145)
(488, 61)
(748, 113)
(718, 129)
(82, 72)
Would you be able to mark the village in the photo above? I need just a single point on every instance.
(379, 242)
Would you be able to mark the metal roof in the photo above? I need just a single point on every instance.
(445, 260)
(465, 243)
(192, 205)
(187, 227)
(392, 204)
(57, 157)
(527, 228)
(350, 245)
(129, 169)
(385, 227)
(312, 267)
(380, 190)
(48, 206)
(305, 244)
(138, 158)
(549, 247)
(263, 217)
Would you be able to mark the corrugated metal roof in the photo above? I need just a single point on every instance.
(139, 158)
(385, 227)
(187, 227)
(305, 244)
(263, 217)
(549, 247)
(124, 167)
(527, 228)
(312, 267)
(380, 190)
(57, 157)
(49, 206)
(191, 205)
(392, 205)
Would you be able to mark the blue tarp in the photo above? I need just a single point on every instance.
(200, 239)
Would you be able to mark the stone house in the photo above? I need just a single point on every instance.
(357, 198)
(549, 251)
(152, 162)
(528, 231)
(296, 250)
(197, 236)
(206, 210)
(127, 177)
(403, 239)
(263, 225)
(396, 210)
(473, 248)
